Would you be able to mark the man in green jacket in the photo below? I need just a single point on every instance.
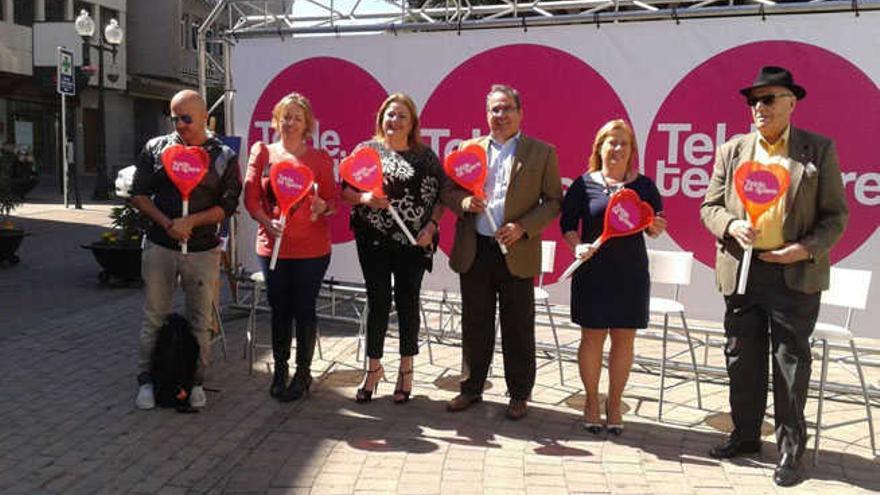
(789, 268)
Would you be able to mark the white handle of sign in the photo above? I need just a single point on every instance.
(402, 225)
(744, 271)
(314, 190)
(277, 247)
(577, 263)
(494, 226)
(185, 213)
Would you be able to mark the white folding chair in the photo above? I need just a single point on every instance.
(357, 294)
(672, 267)
(847, 289)
(251, 344)
(259, 286)
(542, 297)
(221, 332)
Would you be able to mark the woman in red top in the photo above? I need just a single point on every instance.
(305, 247)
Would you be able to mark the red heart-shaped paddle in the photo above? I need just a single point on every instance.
(467, 168)
(363, 170)
(291, 182)
(185, 166)
(626, 214)
(760, 186)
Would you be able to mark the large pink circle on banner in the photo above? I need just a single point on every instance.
(705, 109)
(564, 103)
(344, 99)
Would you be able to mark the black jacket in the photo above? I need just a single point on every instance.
(221, 187)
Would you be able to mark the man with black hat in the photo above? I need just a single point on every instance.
(789, 268)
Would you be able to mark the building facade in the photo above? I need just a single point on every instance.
(163, 58)
(29, 105)
(157, 57)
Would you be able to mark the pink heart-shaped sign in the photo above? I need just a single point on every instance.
(291, 181)
(626, 214)
(760, 186)
(468, 169)
(363, 170)
(185, 166)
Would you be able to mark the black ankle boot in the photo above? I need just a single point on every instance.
(279, 381)
(299, 386)
(280, 355)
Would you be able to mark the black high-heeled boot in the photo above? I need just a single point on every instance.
(280, 354)
(299, 386)
(306, 337)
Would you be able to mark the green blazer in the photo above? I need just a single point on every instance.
(533, 199)
(816, 210)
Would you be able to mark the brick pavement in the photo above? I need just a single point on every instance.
(68, 425)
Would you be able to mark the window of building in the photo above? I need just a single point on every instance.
(79, 6)
(184, 30)
(2, 11)
(214, 47)
(23, 12)
(55, 10)
(194, 34)
(106, 15)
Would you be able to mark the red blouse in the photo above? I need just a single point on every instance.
(302, 237)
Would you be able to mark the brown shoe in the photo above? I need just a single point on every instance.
(516, 410)
(462, 402)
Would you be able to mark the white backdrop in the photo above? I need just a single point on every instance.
(645, 64)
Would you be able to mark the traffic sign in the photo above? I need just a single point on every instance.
(66, 81)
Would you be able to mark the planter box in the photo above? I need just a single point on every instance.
(10, 239)
(119, 262)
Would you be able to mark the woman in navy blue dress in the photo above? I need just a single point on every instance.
(610, 291)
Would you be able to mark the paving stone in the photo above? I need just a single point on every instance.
(68, 425)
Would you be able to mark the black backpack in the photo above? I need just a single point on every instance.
(175, 359)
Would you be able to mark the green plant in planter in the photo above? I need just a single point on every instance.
(10, 198)
(127, 227)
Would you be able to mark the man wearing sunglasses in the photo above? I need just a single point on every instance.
(156, 196)
(789, 269)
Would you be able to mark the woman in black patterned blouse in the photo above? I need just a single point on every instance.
(412, 181)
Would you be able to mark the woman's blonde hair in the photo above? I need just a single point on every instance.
(602, 135)
(414, 139)
(294, 99)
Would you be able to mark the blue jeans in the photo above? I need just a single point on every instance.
(292, 289)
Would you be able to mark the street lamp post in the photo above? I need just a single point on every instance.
(111, 40)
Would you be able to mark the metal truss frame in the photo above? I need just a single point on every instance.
(234, 20)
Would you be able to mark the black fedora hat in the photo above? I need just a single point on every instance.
(775, 76)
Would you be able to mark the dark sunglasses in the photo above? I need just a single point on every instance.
(767, 100)
(185, 118)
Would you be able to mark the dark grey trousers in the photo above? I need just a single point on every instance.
(487, 283)
(770, 316)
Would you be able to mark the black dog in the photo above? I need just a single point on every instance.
(175, 359)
